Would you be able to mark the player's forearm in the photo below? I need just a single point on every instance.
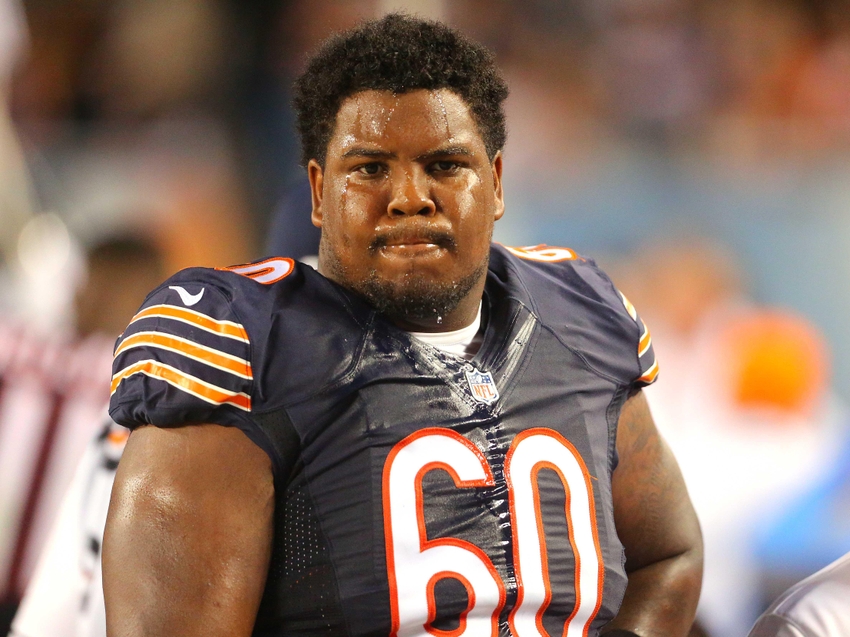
(661, 598)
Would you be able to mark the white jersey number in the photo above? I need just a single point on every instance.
(415, 564)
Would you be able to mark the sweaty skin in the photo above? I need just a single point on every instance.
(188, 537)
(189, 531)
(425, 170)
(658, 528)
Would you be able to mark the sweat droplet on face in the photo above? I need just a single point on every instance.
(378, 122)
(343, 194)
(390, 112)
(445, 115)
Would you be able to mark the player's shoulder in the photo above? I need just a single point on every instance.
(242, 294)
(191, 342)
(232, 284)
(214, 345)
(574, 298)
(553, 276)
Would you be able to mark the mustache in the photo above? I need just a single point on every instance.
(441, 238)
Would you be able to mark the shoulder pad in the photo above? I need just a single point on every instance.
(579, 303)
(185, 356)
(220, 345)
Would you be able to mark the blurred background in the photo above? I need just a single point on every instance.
(698, 149)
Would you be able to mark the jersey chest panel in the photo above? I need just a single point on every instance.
(393, 505)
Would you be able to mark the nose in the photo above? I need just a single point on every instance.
(411, 195)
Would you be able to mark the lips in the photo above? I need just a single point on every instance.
(409, 249)
(413, 242)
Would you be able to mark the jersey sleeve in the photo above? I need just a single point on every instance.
(622, 342)
(184, 358)
(575, 299)
(647, 364)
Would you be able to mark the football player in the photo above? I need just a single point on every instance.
(814, 607)
(430, 434)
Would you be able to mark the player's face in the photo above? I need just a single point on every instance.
(406, 202)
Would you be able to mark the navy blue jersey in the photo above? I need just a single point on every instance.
(416, 492)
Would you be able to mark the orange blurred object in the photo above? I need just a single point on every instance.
(779, 361)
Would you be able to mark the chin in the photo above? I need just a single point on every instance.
(418, 288)
(418, 295)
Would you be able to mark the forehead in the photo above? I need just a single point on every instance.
(420, 119)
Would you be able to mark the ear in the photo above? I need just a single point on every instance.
(316, 176)
(499, 208)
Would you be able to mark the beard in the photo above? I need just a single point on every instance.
(414, 296)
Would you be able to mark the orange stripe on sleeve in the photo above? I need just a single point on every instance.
(222, 328)
(195, 351)
(650, 375)
(184, 382)
(629, 307)
(645, 341)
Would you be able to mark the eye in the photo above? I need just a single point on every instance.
(372, 168)
(444, 166)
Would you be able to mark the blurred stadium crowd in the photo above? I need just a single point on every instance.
(700, 149)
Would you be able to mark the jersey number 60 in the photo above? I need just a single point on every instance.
(415, 564)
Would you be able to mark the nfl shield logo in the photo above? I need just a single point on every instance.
(482, 386)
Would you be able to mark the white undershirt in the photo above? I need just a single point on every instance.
(464, 342)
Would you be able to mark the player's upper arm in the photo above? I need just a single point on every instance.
(658, 528)
(652, 510)
(189, 531)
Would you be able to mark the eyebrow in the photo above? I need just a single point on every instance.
(448, 150)
(369, 153)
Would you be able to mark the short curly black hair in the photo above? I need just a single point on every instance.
(397, 53)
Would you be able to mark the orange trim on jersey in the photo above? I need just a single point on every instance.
(260, 270)
(534, 477)
(195, 351)
(432, 604)
(645, 341)
(650, 375)
(543, 253)
(185, 315)
(424, 543)
(184, 382)
(629, 307)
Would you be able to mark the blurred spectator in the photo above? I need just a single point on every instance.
(811, 531)
(65, 596)
(53, 396)
(784, 82)
(816, 607)
(131, 106)
(745, 404)
(653, 61)
(292, 232)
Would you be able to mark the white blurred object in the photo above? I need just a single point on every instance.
(742, 464)
(54, 396)
(16, 191)
(816, 607)
(48, 268)
(65, 596)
